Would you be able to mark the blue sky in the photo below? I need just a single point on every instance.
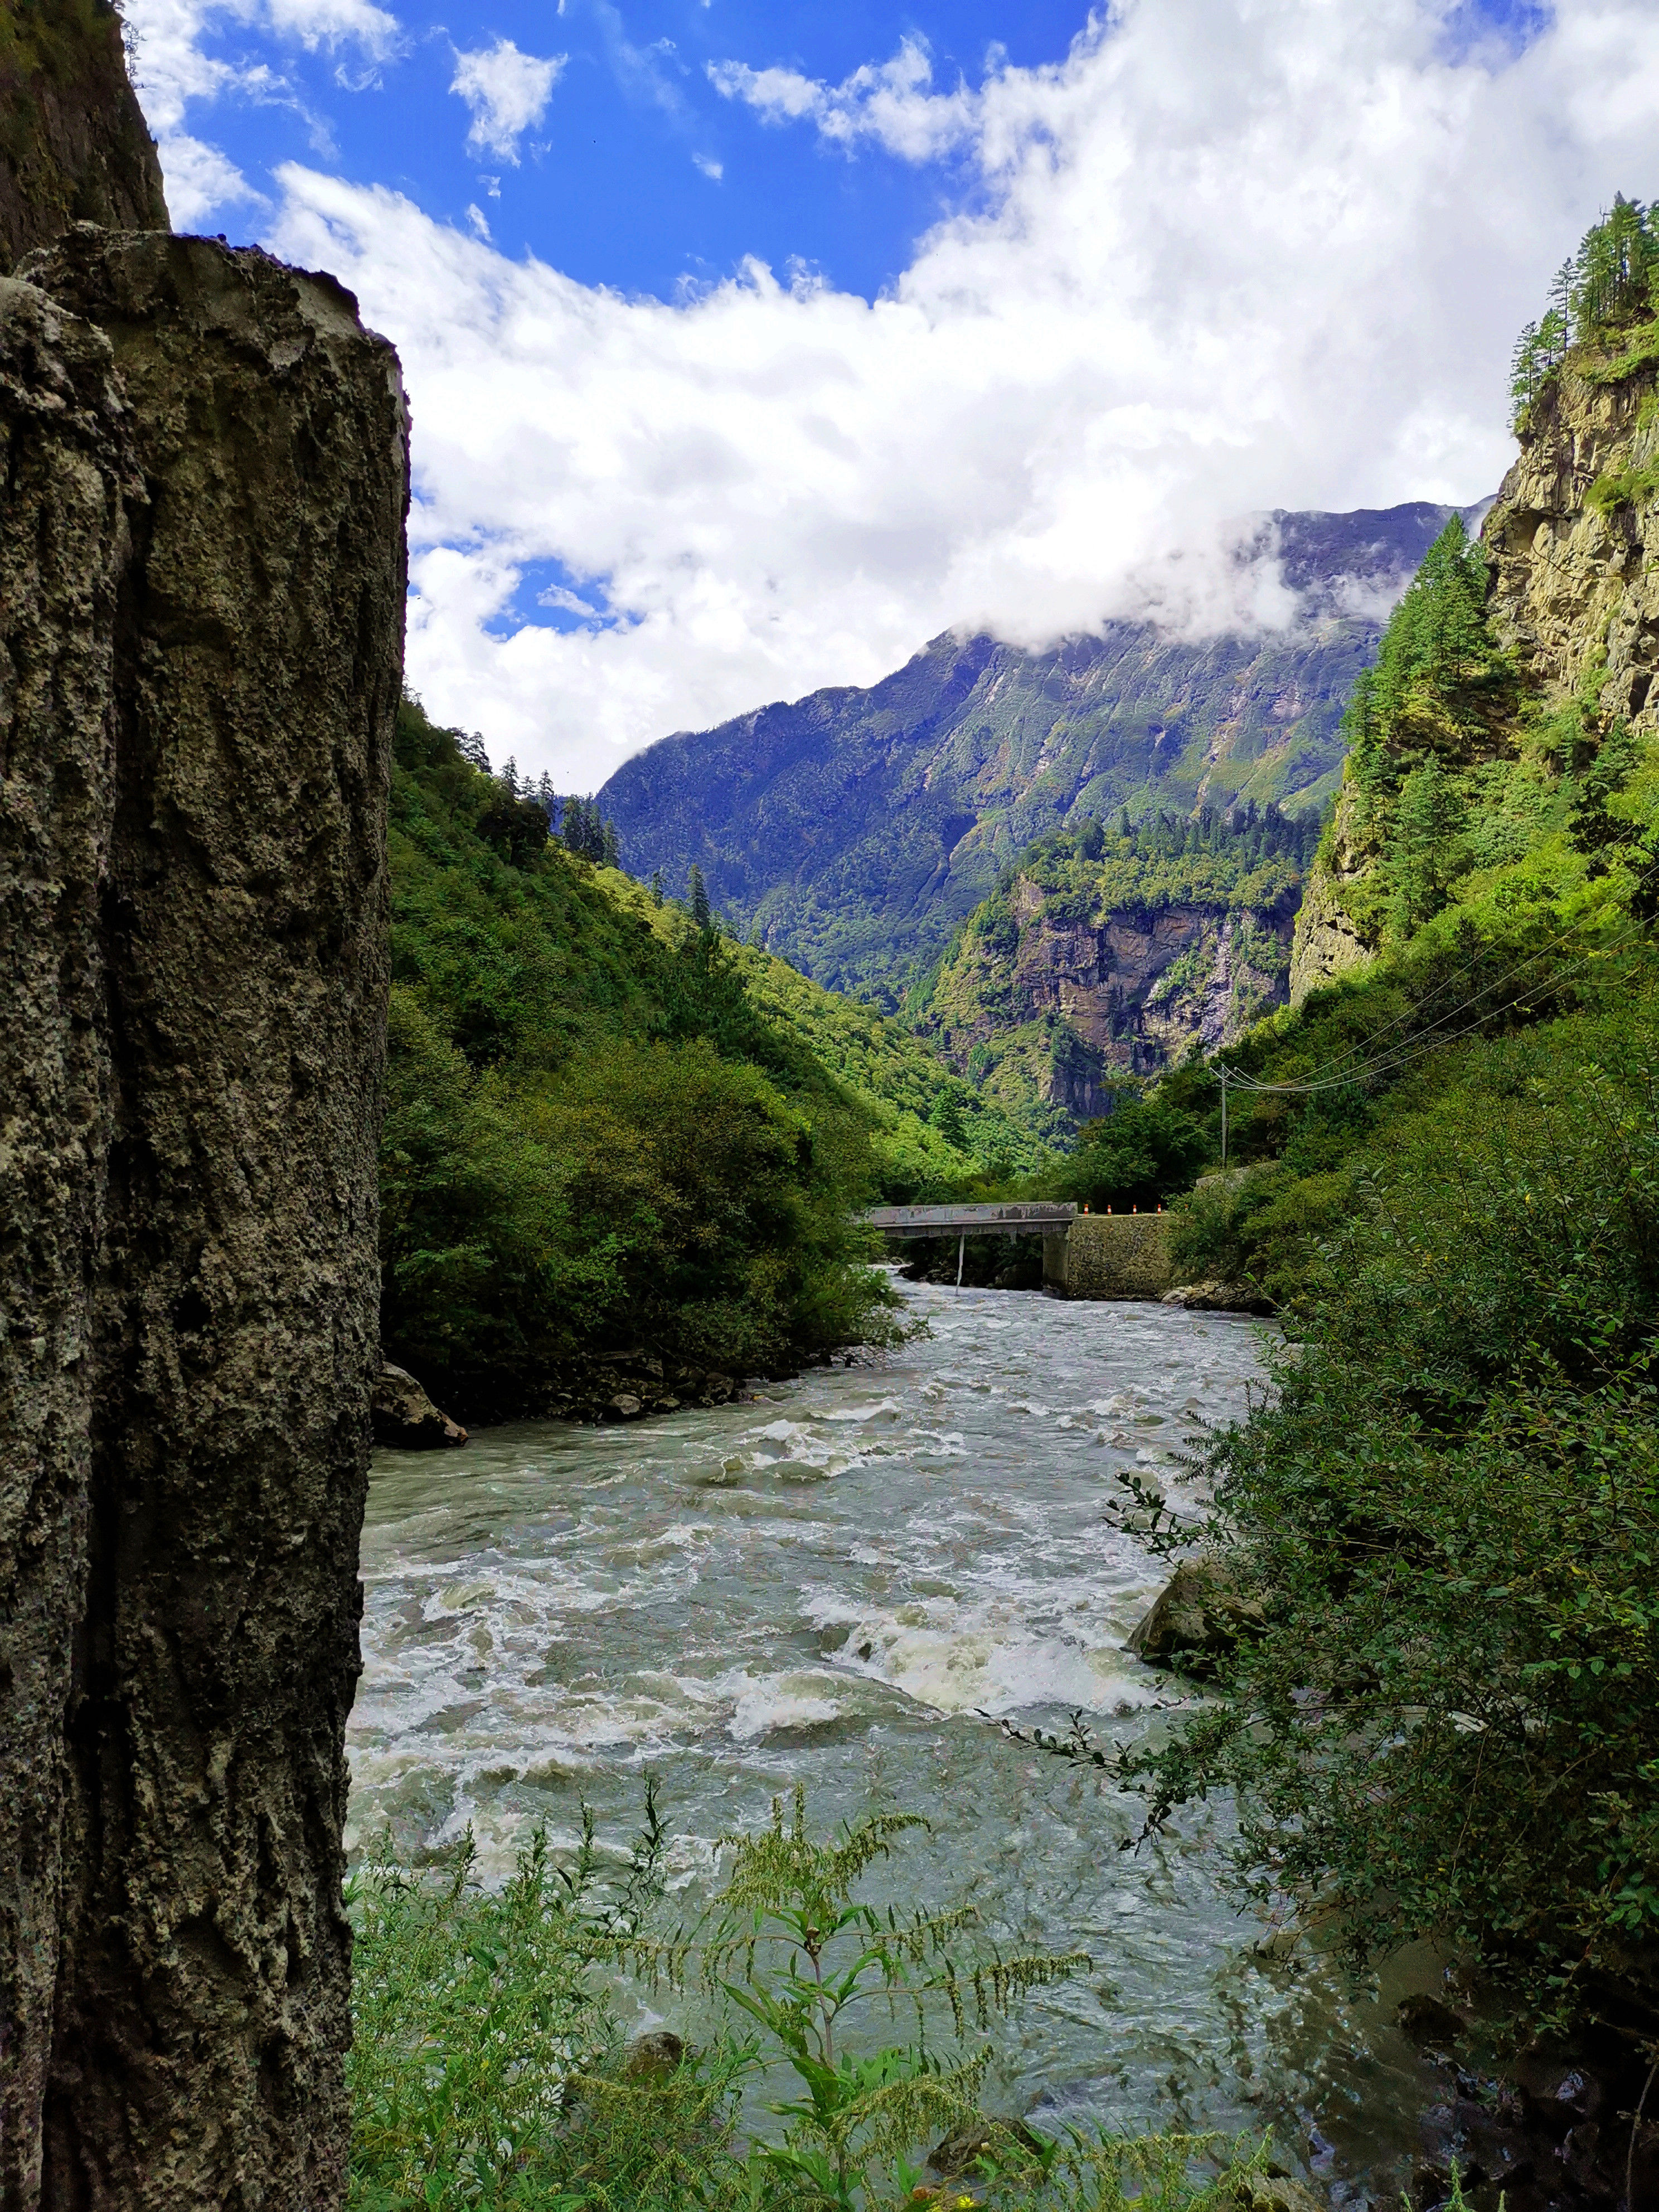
(613, 185)
(749, 346)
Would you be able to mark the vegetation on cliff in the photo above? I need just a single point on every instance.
(1113, 949)
(607, 1128)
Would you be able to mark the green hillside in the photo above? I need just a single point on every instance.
(608, 1128)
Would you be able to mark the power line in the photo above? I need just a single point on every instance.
(1446, 983)
(1329, 1077)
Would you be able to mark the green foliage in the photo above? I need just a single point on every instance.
(794, 1950)
(902, 1087)
(1633, 487)
(697, 897)
(593, 1135)
(1425, 850)
(1141, 1155)
(486, 2069)
(1450, 1509)
(1606, 285)
(1439, 679)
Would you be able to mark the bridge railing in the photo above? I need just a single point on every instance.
(1026, 1218)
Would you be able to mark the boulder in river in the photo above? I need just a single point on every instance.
(1196, 1618)
(1217, 1296)
(1273, 2192)
(405, 1416)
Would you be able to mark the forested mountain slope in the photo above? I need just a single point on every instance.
(856, 830)
(608, 1130)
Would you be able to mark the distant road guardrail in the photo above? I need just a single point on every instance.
(1033, 1217)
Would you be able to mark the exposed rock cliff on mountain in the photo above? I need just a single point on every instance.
(1512, 740)
(1107, 955)
(201, 596)
(857, 828)
(74, 147)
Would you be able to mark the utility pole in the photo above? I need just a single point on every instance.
(1222, 1065)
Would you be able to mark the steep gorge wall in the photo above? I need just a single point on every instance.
(1050, 1019)
(201, 586)
(1573, 540)
(74, 147)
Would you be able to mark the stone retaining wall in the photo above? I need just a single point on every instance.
(1111, 1256)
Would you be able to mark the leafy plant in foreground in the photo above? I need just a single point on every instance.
(487, 2070)
(794, 1950)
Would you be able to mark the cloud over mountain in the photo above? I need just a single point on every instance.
(1218, 260)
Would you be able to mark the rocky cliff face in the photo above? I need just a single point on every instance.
(1573, 543)
(201, 587)
(1575, 539)
(74, 147)
(1045, 1017)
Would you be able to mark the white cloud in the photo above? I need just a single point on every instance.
(708, 167)
(172, 71)
(507, 92)
(892, 103)
(200, 179)
(1233, 255)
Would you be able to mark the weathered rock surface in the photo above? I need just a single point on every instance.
(201, 588)
(72, 489)
(74, 147)
(1128, 992)
(1218, 1297)
(406, 1417)
(1275, 2192)
(1197, 1619)
(1576, 586)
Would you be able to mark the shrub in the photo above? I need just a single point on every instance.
(1450, 1509)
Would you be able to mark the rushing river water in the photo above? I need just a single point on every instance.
(833, 1585)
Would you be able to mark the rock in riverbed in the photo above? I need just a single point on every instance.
(406, 1417)
(1218, 1297)
(1196, 1618)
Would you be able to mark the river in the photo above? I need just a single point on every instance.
(834, 1584)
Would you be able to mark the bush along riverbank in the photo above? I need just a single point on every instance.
(623, 1158)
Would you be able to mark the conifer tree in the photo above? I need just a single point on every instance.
(656, 886)
(697, 893)
(610, 848)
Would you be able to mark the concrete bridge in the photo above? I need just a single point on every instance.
(1084, 1255)
(1041, 1216)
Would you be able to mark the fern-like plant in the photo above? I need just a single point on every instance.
(791, 1946)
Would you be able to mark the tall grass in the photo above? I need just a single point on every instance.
(488, 2069)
